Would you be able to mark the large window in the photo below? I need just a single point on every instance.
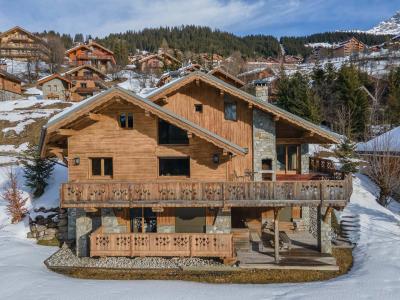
(175, 166)
(143, 220)
(170, 134)
(230, 110)
(288, 159)
(101, 166)
(126, 120)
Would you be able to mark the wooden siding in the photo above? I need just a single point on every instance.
(212, 118)
(135, 151)
(9, 85)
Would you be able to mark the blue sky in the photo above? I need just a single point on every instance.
(276, 17)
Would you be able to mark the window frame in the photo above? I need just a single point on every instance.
(298, 157)
(102, 167)
(159, 158)
(230, 103)
(170, 144)
(127, 115)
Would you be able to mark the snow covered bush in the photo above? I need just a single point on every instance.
(13, 196)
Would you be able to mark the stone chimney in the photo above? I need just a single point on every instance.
(262, 92)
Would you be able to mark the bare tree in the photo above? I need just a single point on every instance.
(344, 119)
(57, 51)
(14, 198)
(383, 166)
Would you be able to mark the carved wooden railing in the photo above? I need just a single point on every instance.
(217, 194)
(326, 166)
(161, 244)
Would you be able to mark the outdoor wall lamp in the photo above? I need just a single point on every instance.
(77, 161)
(215, 158)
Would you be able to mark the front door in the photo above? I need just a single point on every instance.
(288, 159)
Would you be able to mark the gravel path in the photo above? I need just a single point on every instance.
(66, 258)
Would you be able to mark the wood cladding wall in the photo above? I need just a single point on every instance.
(239, 132)
(135, 151)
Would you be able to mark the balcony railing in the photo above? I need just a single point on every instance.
(206, 194)
(161, 244)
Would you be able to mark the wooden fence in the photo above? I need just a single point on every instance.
(161, 244)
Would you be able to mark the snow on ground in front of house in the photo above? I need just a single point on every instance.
(375, 273)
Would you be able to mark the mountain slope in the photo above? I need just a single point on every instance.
(389, 26)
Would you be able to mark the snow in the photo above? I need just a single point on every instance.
(19, 68)
(375, 273)
(386, 142)
(390, 26)
(323, 45)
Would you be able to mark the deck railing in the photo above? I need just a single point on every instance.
(201, 194)
(326, 166)
(161, 244)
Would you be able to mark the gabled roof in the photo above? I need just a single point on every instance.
(87, 46)
(10, 76)
(24, 31)
(159, 56)
(74, 112)
(51, 77)
(297, 121)
(224, 73)
(77, 47)
(69, 72)
(92, 43)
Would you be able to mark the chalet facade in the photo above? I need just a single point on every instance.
(92, 54)
(10, 86)
(156, 63)
(86, 81)
(197, 168)
(56, 86)
(349, 47)
(19, 44)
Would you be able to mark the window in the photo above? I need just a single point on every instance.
(288, 158)
(55, 88)
(169, 134)
(101, 166)
(126, 120)
(230, 110)
(83, 85)
(174, 166)
(198, 108)
(143, 220)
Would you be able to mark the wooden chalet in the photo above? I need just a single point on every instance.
(349, 47)
(10, 86)
(55, 86)
(20, 44)
(157, 63)
(171, 75)
(197, 168)
(93, 54)
(86, 81)
(227, 77)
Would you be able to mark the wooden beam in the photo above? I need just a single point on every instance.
(197, 82)
(276, 118)
(250, 105)
(189, 135)
(157, 209)
(225, 152)
(97, 117)
(147, 113)
(221, 93)
(276, 235)
(66, 132)
(308, 134)
(90, 209)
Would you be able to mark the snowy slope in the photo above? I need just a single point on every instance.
(389, 26)
(375, 274)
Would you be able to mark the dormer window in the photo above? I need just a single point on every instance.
(126, 120)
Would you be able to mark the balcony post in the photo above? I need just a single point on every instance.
(276, 235)
(84, 227)
(324, 229)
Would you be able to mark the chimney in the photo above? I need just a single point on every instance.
(262, 92)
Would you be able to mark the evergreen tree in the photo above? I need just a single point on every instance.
(346, 154)
(37, 171)
(78, 38)
(394, 96)
(353, 99)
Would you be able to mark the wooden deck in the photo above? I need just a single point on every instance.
(91, 194)
(304, 255)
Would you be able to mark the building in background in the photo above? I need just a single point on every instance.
(55, 86)
(10, 86)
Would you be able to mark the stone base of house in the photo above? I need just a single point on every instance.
(7, 95)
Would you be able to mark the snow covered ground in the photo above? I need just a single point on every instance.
(375, 273)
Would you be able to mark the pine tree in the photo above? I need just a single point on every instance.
(345, 152)
(37, 171)
(394, 96)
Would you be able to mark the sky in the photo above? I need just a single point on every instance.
(275, 17)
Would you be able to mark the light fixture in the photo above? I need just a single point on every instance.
(77, 161)
(215, 158)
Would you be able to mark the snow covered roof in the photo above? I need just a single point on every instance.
(386, 142)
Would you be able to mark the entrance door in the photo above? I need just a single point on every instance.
(288, 159)
(143, 220)
(190, 220)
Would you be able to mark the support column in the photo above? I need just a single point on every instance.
(324, 230)
(221, 222)
(84, 227)
(276, 235)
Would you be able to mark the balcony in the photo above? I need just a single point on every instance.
(161, 244)
(206, 194)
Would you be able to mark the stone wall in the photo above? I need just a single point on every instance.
(324, 232)
(222, 223)
(264, 142)
(7, 95)
(305, 159)
(165, 228)
(54, 87)
(71, 223)
(110, 222)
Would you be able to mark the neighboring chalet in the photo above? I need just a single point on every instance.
(10, 86)
(198, 168)
(93, 54)
(171, 75)
(19, 44)
(55, 86)
(156, 63)
(86, 81)
(346, 48)
(227, 77)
